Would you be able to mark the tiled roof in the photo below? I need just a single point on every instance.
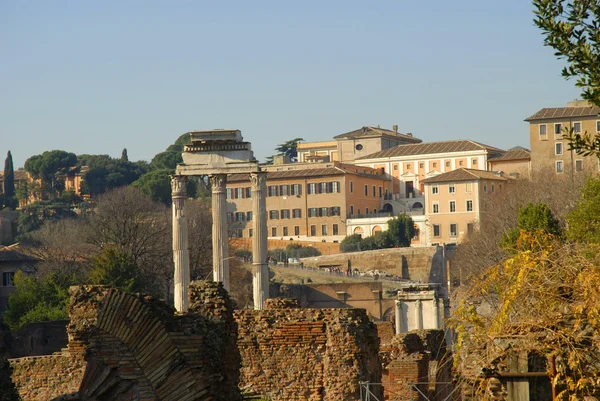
(20, 175)
(337, 169)
(425, 148)
(375, 131)
(464, 174)
(516, 153)
(564, 112)
(12, 254)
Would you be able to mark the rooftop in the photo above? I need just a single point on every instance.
(564, 112)
(376, 131)
(516, 153)
(296, 171)
(464, 174)
(460, 145)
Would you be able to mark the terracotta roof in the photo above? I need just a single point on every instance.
(337, 169)
(425, 148)
(13, 254)
(375, 131)
(564, 112)
(464, 174)
(20, 175)
(516, 153)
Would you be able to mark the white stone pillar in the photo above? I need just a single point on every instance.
(181, 257)
(436, 310)
(220, 239)
(260, 267)
(419, 314)
(398, 317)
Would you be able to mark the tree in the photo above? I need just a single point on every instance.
(116, 269)
(38, 299)
(157, 185)
(583, 221)
(571, 29)
(532, 218)
(352, 243)
(401, 230)
(9, 183)
(124, 157)
(105, 173)
(289, 149)
(48, 167)
(33, 216)
(170, 157)
(200, 238)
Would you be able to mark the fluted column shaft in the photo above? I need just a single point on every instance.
(260, 267)
(398, 317)
(220, 238)
(181, 257)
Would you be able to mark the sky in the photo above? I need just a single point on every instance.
(99, 76)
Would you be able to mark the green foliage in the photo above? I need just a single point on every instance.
(583, 222)
(278, 254)
(34, 215)
(124, 157)
(9, 198)
(299, 251)
(156, 185)
(47, 167)
(288, 148)
(243, 254)
(532, 218)
(401, 230)
(571, 28)
(116, 269)
(166, 160)
(352, 243)
(70, 198)
(105, 173)
(38, 299)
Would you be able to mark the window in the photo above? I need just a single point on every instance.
(469, 206)
(492, 188)
(249, 216)
(436, 230)
(434, 164)
(474, 162)
(335, 229)
(273, 214)
(230, 217)
(484, 187)
(297, 213)
(312, 212)
(285, 190)
(335, 186)
(578, 165)
(272, 190)
(380, 192)
(435, 208)
(313, 230)
(250, 233)
(559, 166)
(351, 209)
(237, 233)
(447, 164)
(408, 166)
(311, 189)
(542, 131)
(452, 206)
(285, 231)
(434, 190)
(324, 229)
(359, 147)
(468, 187)
(557, 128)
(558, 148)
(470, 227)
(336, 211)
(351, 187)
(451, 188)
(323, 211)
(285, 213)
(577, 127)
(460, 163)
(273, 231)
(8, 279)
(296, 230)
(248, 192)
(421, 165)
(323, 187)
(239, 216)
(396, 166)
(296, 189)
(374, 191)
(366, 190)
(598, 126)
(239, 193)
(453, 229)
(367, 210)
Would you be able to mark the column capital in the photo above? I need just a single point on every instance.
(257, 180)
(178, 186)
(218, 181)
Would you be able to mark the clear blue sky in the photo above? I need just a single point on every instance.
(98, 76)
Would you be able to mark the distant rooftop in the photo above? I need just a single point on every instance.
(376, 131)
(516, 153)
(576, 108)
(297, 171)
(424, 148)
(464, 174)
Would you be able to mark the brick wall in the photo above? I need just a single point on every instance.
(307, 354)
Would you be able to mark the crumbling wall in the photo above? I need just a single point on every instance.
(297, 354)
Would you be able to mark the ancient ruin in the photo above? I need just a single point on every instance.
(217, 153)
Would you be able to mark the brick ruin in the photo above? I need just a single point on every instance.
(130, 347)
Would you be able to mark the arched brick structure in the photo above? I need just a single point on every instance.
(137, 348)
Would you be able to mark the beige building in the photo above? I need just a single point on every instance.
(549, 151)
(515, 162)
(454, 201)
(351, 145)
(307, 201)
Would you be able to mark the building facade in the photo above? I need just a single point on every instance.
(454, 202)
(307, 201)
(549, 150)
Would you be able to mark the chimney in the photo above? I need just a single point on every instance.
(409, 134)
(395, 128)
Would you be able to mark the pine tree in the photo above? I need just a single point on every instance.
(124, 157)
(9, 181)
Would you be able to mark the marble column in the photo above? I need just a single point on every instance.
(181, 257)
(398, 317)
(220, 238)
(419, 314)
(260, 267)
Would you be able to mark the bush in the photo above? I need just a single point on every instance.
(243, 254)
(352, 243)
(299, 251)
(117, 270)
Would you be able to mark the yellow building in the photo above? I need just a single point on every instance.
(549, 151)
(351, 145)
(454, 201)
(308, 201)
